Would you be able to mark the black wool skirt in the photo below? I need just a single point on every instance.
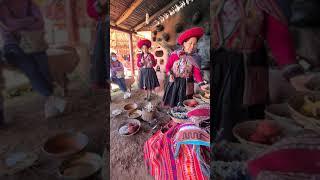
(148, 79)
(228, 76)
(175, 92)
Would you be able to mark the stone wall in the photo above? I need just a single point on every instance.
(185, 18)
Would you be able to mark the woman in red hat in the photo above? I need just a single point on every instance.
(182, 69)
(148, 79)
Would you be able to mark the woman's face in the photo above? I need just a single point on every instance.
(190, 45)
(113, 57)
(144, 49)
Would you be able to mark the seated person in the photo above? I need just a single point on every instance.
(117, 75)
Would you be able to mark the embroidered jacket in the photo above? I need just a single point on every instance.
(183, 65)
(149, 61)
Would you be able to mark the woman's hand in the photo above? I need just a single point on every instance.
(204, 87)
(142, 61)
(171, 78)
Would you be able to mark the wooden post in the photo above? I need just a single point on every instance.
(131, 54)
(71, 22)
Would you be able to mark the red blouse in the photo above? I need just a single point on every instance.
(150, 58)
(195, 69)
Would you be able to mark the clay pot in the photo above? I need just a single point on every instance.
(196, 18)
(158, 53)
(159, 28)
(165, 36)
(154, 33)
(179, 28)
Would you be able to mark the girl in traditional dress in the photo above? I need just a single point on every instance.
(148, 79)
(182, 69)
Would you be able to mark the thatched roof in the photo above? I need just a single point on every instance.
(131, 14)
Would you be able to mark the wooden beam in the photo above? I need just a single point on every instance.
(120, 26)
(121, 29)
(155, 15)
(129, 11)
(71, 22)
(131, 54)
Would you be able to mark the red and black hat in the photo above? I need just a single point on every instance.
(192, 32)
(144, 42)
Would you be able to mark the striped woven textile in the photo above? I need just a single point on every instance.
(162, 164)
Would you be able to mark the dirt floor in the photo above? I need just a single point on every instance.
(28, 130)
(126, 153)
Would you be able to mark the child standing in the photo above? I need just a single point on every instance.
(148, 79)
(117, 75)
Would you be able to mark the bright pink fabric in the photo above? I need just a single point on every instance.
(280, 41)
(196, 71)
(91, 10)
(289, 160)
(189, 33)
(139, 56)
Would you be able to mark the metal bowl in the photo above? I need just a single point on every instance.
(80, 167)
(65, 144)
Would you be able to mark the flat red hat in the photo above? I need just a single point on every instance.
(144, 42)
(192, 32)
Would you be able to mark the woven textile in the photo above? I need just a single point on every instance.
(162, 163)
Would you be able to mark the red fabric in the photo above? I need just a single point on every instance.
(200, 111)
(192, 32)
(144, 42)
(91, 10)
(287, 160)
(280, 42)
(161, 163)
(139, 56)
(196, 71)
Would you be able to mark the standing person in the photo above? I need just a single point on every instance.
(183, 69)
(117, 75)
(148, 79)
(18, 18)
(97, 9)
(240, 60)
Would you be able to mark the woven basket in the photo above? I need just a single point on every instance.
(243, 130)
(305, 83)
(186, 102)
(295, 103)
(281, 114)
(278, 112)
(147, 116)
(180, 121)
(312, 83)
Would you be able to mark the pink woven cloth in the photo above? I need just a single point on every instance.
(161, 163)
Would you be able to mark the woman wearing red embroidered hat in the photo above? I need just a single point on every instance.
(182, 68)
(148, 79)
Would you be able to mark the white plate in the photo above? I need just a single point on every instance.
(116, 112)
